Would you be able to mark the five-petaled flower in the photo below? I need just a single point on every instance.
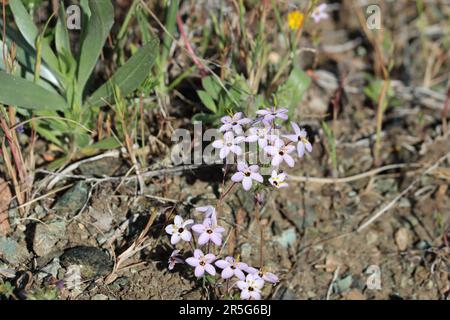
(229, 143)
(262, 135)
(251, 287)
(246, 174)
(208, 231)
(232, 267)
(268, 115)
(262, 274)
(277, 179)
(179, 230)
(300, 136)
(202, 263)
(280, 152)
(320, 13)
(234, 123)
(174, 259)
(209, 212)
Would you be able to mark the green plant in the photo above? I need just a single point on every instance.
(59, 84)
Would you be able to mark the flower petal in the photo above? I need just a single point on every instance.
(237, 177)
(247, 183)
(204, 238)
(199, 271)
(222, 264)
(192, 261)
(227, 273)
(210, 269)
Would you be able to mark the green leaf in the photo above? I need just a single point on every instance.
(128, 77)
(291, 92)
(211, 86)
(22, 93)
(26, 55)
(105, 144)
(100, 22)
(207, 100)
(62, 41)
(30, 32)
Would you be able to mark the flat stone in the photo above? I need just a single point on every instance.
(71, 202)
(93, 262)
(13, 252)
(47, 235)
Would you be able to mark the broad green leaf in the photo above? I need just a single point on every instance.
(30, 32)
(22, 93)
(207, 100)
(105, 144)
(211, 86)
(26, 55)
(100, 22)
(128, 77)
(291, 92)
(62, 41)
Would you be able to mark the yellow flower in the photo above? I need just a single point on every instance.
(295, 20)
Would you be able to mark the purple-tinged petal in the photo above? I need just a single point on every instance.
(175, 238)
(222, 264)
(199, 271)
(198, 253)
(192, 261)
(247, 183)
(198, 228)
(289, 160)
(210, 269)
(204, 238)
(301, 149)
(239, 274)
(237, 177)
(210, 258)
(227, 273)
(216, 238)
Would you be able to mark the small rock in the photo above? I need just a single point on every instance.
(93, 262)
(13, 252)
(402, 238)
(50, 269)
(343, 285)
(71, 202)
(287, 238)
(47, 235)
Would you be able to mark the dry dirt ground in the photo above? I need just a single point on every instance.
(311, 236)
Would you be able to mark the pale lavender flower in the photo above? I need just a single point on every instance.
(246, 174)
(234, 123)
(320, 13)
(264, 275)
(209, 212)
(208, 232)
(280, 152)
(251, 287)
(179, 230)
(262, 135)
(174, 259)
(202, 263)
(228, 144)
(268, 115)
(277, 179)
(300, 136)
(231, 267)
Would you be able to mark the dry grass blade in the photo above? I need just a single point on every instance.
(5, 199)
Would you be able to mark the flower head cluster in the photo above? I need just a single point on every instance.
(208, 236)
(266, 143)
